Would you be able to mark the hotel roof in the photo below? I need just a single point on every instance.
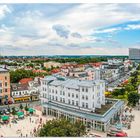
(70, 83)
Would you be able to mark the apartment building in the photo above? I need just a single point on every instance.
(77, 99)
(4, 86)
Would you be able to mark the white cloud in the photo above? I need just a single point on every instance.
(109, 30)
(4, 9)
(133, 27)
(32, 30)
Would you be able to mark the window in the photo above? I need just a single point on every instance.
(0, 90)
(83, 97)
(76, 95)
(72, 95)
(60, 99)
(83, 89)
(93, 97)
(86, 97)
(63, 100)
(63, 93)
(56, 91)
(93, 105)
(5, 77)
(52, 91)
(60, 92)
(49, 96)
(72, 102)
(77, 103)
(86, 105)
(68, 94)
(52, 97)
(86, 89)
(68, 101)
(83, 105)
(56, 98)
(93, 89)
(6, 84)
(6, 90)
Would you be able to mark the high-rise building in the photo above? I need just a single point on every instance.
(134, 54)
(4, 86)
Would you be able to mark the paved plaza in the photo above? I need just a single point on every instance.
(24, 127)
(134, 131)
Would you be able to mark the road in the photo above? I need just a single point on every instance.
(31, 104)
(120, 80)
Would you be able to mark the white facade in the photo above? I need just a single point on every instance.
(86, 95)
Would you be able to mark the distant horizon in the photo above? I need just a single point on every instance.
(61, 55)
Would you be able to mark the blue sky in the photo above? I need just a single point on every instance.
(49, 29)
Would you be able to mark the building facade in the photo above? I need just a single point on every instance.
(24, 92)
(4, 86)
(77, 100)
(134, 54)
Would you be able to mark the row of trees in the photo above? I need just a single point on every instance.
(62, 128)
(130, 91)
(17, 75)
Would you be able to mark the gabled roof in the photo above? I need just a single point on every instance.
(25, 80)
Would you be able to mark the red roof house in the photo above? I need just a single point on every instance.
(25, 80)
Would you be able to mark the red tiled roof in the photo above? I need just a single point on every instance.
(25, 80)
(55, 71)
(98, 64)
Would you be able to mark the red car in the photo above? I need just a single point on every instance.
(10, 102)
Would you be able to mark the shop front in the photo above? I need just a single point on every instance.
(22, 99)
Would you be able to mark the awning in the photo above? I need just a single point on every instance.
(5, 118)
(22, 98)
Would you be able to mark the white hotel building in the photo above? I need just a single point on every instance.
(77, 100)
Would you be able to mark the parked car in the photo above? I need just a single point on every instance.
(10, 102)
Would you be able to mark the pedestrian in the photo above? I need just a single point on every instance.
(26, 135)
(21, 135)
(30, 133)
(30, 119)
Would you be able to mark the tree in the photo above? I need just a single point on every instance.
(62, 128)
(26, 108)
(133, 98)
(118, 92)
(21, 106)
(13, 111)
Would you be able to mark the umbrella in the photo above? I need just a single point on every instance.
(31, 110)
(16, 109)
(20, 113)
(5, 118)
(21, 116)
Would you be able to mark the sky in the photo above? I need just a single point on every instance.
(69, 29)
